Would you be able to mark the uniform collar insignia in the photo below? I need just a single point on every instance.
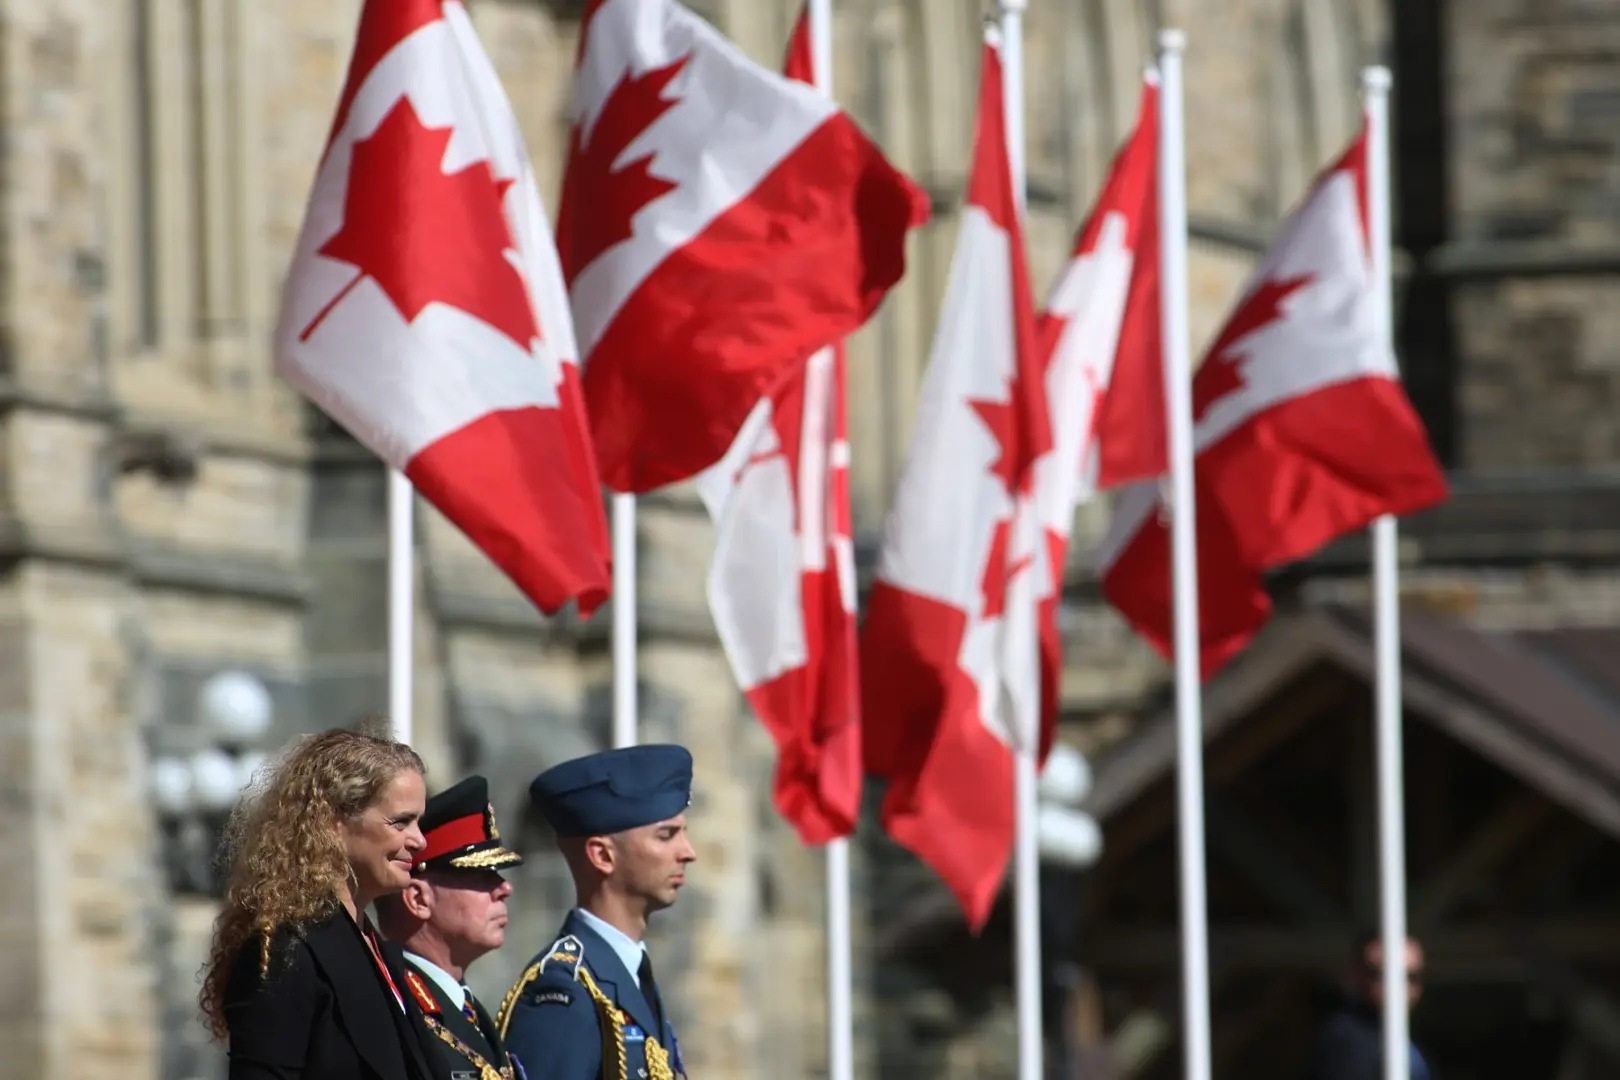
(424, 997)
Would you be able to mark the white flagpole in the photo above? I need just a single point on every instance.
(1184, 556)
(1026, 852)
(401, 603)
(840, 942)
(624, 620)
(1375, 86)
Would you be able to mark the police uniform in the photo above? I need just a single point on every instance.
(459, 825)
(580, 1010)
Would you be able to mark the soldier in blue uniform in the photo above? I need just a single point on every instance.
(587, 1007)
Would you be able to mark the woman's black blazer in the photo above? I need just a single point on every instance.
(323, 1012)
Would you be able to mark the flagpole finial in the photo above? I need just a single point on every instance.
(1377, 79)
(1172, 41)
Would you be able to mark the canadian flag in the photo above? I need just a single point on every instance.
(1099, 335)
(782, 580)
(719, 224)
(949, 645)
(424, 308)
(1301, 428)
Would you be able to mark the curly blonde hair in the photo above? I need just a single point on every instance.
(286, 864)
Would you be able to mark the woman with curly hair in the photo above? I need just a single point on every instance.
(297, 980)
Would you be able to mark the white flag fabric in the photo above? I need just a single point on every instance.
(949, 645)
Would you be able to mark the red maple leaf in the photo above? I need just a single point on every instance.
(1221, 374)
(424, 235)
(998, 417)
(598, 200)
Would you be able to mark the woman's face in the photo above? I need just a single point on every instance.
(383, 840)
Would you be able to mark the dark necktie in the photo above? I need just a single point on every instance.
(467, 1009)
(649, 990)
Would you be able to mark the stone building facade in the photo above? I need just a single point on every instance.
(169, 509)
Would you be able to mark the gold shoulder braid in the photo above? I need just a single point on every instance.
(611, 1022)
(504, 1015)
(613, 1035)
(658, 1067)
(566, 949)
(486, 1071)
(612, 1027)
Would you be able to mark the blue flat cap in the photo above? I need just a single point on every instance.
(614, 790)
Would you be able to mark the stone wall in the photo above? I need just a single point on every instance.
(79, 875)
(1534, 123)
(1545, 598)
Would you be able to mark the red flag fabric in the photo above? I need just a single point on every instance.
(949, 644)
(782, 580)
(1302, 429)
(719, 224)
(1099, 337)
(425, 311)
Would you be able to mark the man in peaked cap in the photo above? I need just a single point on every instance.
(453, 912)
(587, 1008)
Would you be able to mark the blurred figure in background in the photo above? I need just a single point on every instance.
(296, 980)
(587, 1006)
(453, 912)
(1350, 1045)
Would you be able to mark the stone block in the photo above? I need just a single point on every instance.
(352, 599)
(21, 1023)
(1545, 598)
(340, 693)
(1226, 178)
(235, 505)
(53, 200)
(220, 391)
(223, 629)
(514, 670)
(1532, 117)
(1537, 379)
(57, 469)
(184, 935)
(310, 41)
(80, 698)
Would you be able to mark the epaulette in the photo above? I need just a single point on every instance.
(568, 952)
(424, 997)
(563, 961)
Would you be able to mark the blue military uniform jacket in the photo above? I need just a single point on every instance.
(1351, 1047)
(576, 1014)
